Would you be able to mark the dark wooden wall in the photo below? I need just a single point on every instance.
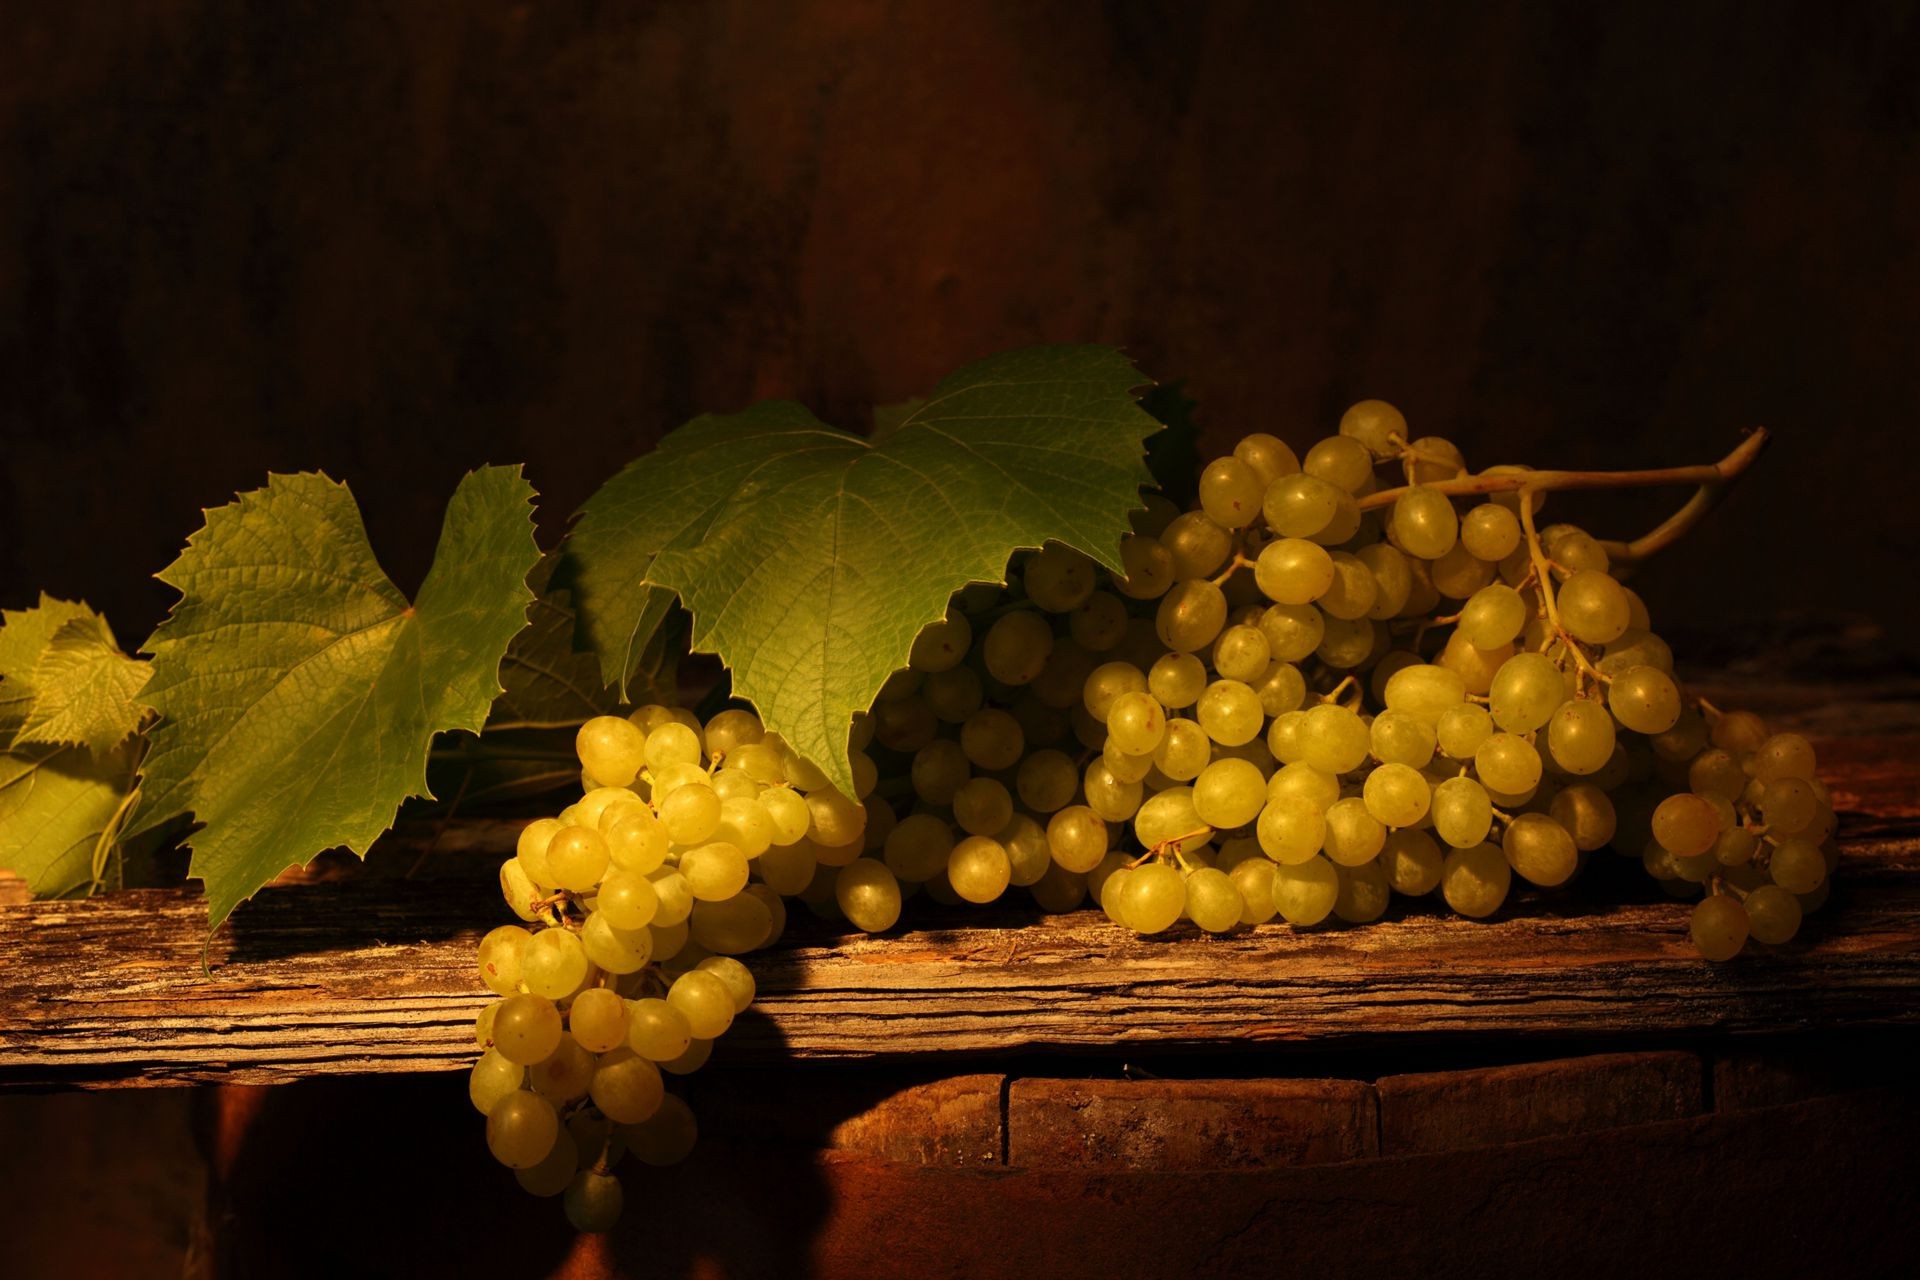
(399, 240)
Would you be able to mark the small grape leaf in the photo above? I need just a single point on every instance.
(24, 636)
(84, 690)
(809, 557)
(550, 684)
(54, 803)
(298, 689)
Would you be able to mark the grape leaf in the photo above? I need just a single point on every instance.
(299, 690)
(24, 636)
(84, 690)
(547, 683)
(809, 557)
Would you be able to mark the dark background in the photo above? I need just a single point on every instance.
(397, 241)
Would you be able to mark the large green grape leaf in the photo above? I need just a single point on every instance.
(24, 636)
(549, 683)
(85, 690)
(299, 690)
(809, 557)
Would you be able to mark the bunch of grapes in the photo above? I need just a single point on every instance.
(1316, 690)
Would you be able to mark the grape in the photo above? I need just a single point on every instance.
(1784, 755)
(1353, 835)
(1300, 506)
(1230, 712)
(1191, 615)
(1586, 813)
(1739, 732)
(1213, 903)
(1424, 523)
(1294, 571)
(1593, 607)
(494, 1077)
(1231, 492)
(1392, 578)
(1155, 896)
(979, 869)
(553, 964)
(526, 1028)
(1493, 616)
(1304, 782)
(1457, 575)
(1136, 724)
(1184, 752)
(1304, 893)
(1526, 691)
(992, 739)
(1398, 738)
(1687, 824)
(1169, 815)
(1491, 532)
(1077, 838)
(611, 748)
(1719, 926)
(1058, 578)
(672, 743)
(628, 900)
(1335, 739)
(1796, 866)
(500, 954)
(638, 841)
(1149, 568)
(1350, 594)
(657, 1030)
(1396, 795)
(1462, 812)
(1462, 728)
(577, 857)
(1294, 632)
(869, 895)
(982, 806)
(833, 821)
(598, 1020)
(1773, 914)
(1540, 849)
(1363, 893)
(1241, 653)
(704, 1001)
(1059, 890)
(551, 1176)
(1017, 647)
(714, 872)
(615, 950)
(1267, 455)
(1108, 683)
(1412, 861)
(1377, 425)
(562, 1076)
(1507, 764)
(1580, 736)
(1425, 692)
(1644, 699)
(942, 644)
(593, 1201)
(521, 1129)
(1281, 688)
(1198, 545)
(664, 1138)
(1475, 881)
(732, 927)
(953, 695)
(1229, 793)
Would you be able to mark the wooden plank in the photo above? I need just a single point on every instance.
(375, 974)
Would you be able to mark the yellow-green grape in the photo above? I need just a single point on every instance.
(714, 871)
(1687, 824)
(1739, 732)
(1304, 892)
(1719, 926)
(1254, 879)
(1475, 668)
(1435, 458)
(942, 644)
(627, 899)
(763, 762)
(1797, 866)
(1230, 712)
(1335, 739)
(1346, 521)
(1229, 793)
(737, 977)
(1424, 523)
(916, 849)
(1526, 691)
(691, 814)
(869, 895)
(1593, 607)
(1231, 492)
(1412, 861)
(1716, 772)
(982, 806)
(553, 964)
(1058, 578)
(1148, 565)
(578, 857)
(1377, 425)
(1735, 847)
(1268, 455)
(1392, 578)
(1636, 649)
(1047, 780)
(554, 1172)
(733, 927)
(500, 953)
(1491, 532)
(1301, 781)
(494, 1077)
(1350, 593)
(597, 802)
(1773, 914)
(1281, 688)
(1574, 549)
(1586, 813)
(1364, 893)
(1397, 795)
(521, 1129)
(992, 739)
(638, 842)
(611, 748)
(1541, 850)
(614, 950)
(1107, 683)
(626, 1086)
(937, 771)
(1112, 895)
(788, 814)
(656, 1030)
(1507, 764)
(670, 744)
(1398, 738)
(664, 1138)
(1475, 881)
(1340, 461)
(1136, 724)
(1286, 737)
(1099, 622)
(669, 940)
(1184, 752)
(1294, 631)
(530, 850)
(1580, 736)
(954, 694)
(1017, 646)
(1028, 855)
(1493, 616)
(1462, 812)
(1167, 815)
(526, 1028)
(732, 728)
(593, 1201)
(1154, 897)
(675, 895)
(1300, 506)
(1353, 835)
(1425, 691)
(483, 1025)
(1241, 653)
(1198, 546)
(1784, 755)
(562, 1076)
(1294, 571)
(1213, 903)
(1457, 575)
(1644, 699)
(1462, 728)
(1108, 796)
(1124, 767)
(1059, 890)
(1191, 615)
(1176, 680)
(597, 1019)
(979, 869)
(704, 1001)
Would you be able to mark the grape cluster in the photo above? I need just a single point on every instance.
(1308, 694)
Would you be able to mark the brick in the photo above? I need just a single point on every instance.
(1187, 1124)
(1461, 1110)
(951, 1122)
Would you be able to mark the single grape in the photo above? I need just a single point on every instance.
(1229, 793)
(1719, 926)
(1294, 571)
(1198, 545)
(1644, 699)
(1773, 914)
(551, 1176)
(1425, 692)
(1491, 532)
(1058, 578)
(1424, 523)
(593, 1201)
(1687, 824)
(1475, 881)
(656, 1030)
(942, 644)
(979, 869)
(869, 894)
(1231, 713)
(1364, 893)
(1796, 866)
(704, 1001)
(494, 1076)
(1231, 492)
(1526, 691)
(1304, 893)
(1377, 425)
(1241, 653)
(1593, 607)
(1412, 861)
(1184, 752)
(500, 955)
(521, 1129)
(1540, 849)
(1353, 834)
(1191, 615)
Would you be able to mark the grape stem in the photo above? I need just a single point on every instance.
(1713, 479)
(1546, 592)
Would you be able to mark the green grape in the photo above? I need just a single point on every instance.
(992, 739)
(1231, 492)
(1294, 571)
(732, 728)
(833, 821)
(1351, 591)
(942, 644)
(611, 748)
(737, 977)
(1184, 752)
(668, 940)
(1687, 824)
(1593, 607)
(1644, 699)
(714, 872)
(1016, 647)
(1107, 683)
(1735, 847)
(628, 900)
(1148, 565)
(1719, 926)
(1392, 578)
(1784, 755)
(561, 1077)
(1462, 812)
(979, 869)
(1424, 691)
(1304, 893)
(1268, 455)
(1353, 835)
(982, 806)
(1230, 712)
(1541, 850)
(1462, 728)
(1716, 772)
(1526, 691)
(553, 964)
(1398, 738)
(954, 694)
(1363, 893)
(1335, 739)
(1457, 575)
(1253, 878)
(1286, 737)
(1434, 458)
(704, 1001)
(1412, 861)
(500, 954)
(1167, 815)
(1491, 532)
(1281, 688)
(1241, 653)
(1475, 881)
(1099, 622)
(1047, 780)
(551, 1176)
(1028, 854)
(1059, 890)
(1112, 895)
(638, 841)
(519, 890)
(1155, 895)
(675, 895)
(692, 814)
(1396, 795)
(1377, 425)
(656, 1030)
(664, 1138)
(1507, 764)
(938, 771)
(1574, 549)
(495, 1076)
(1773, 914)
(1294, 632)
(1340, 461)
(1493, 616)
(593, 1201)
(1136, 724)
(1213, 902)
(917, 849)
(1300, 506)
(614, 950)
(732, 927)
(763, 762)
(1739, 732)
(592, 808)
(598, 1019)
(1636, 649)
(526, 1028)
(672, 743)
(1580, 736)
(1058, 578)
(1107, 795)
(1228, 794)
(1301, 781)
(1586, 813)
(1078, 839)
(1198, 546)
(1176, 680)
(577, 857)
(521, 1129)
(1424, 523)
(1796, 866)
(1190, 615)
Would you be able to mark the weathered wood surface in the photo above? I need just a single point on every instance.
(375, 974)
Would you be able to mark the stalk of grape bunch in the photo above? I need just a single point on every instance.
(1347, 676)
